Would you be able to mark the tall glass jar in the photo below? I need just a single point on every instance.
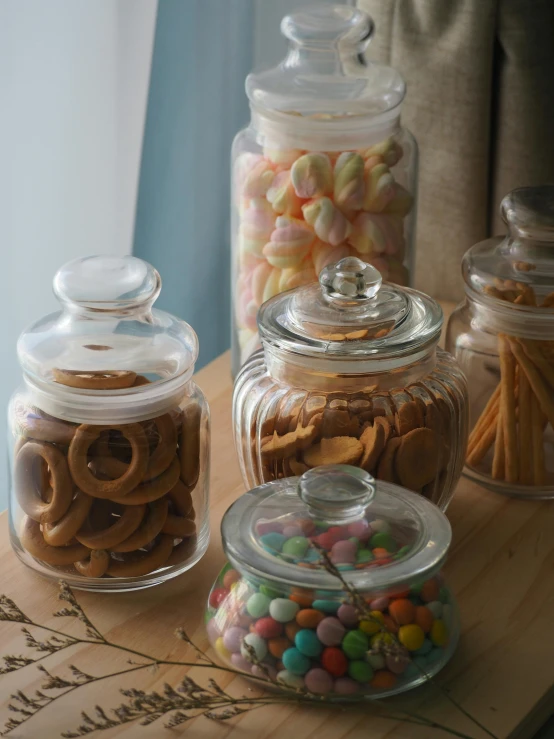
(503, 338)
(109, 435)
(350, 373)
(283, 609)
(323, 171)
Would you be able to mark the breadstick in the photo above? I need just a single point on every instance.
(540, 389)
(498, 462)
(508, 408)
(490, 411)
(525, 431)
(537, 421)
(533, 351)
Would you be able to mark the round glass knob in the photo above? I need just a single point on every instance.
(529, 213)
(337, 492)
(350, 279)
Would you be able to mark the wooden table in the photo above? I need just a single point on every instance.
(500, 568)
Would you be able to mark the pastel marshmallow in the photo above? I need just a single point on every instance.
(379, 187)
(283, 157)
(402, 201)
(312, 175)
(388, 150)
(249, 342)
(378, 233)
(282, 197)
(257, 223)
(349, 185)
(329, 223)
(293, 277)
(260, 276)
(290, 242)
(324, 254)
(258, 180)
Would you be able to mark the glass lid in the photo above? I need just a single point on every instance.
(325, 83)
(107, 353)
(350, 314)
(516, 273)
(295, 531)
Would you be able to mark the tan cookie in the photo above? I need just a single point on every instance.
(373, 441)
(433, 418)
(150, 526)
(33, 542)
(293, 467)
(338, 422)
(313, 405)
(417, 458)
(338, 450)
(386, 469)
(141, 563)
(279, 447)
(387, 427)
(119, 528)
(408, 417)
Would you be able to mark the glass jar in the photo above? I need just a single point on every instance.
(350, 373)
(503, 338)
(323, 171)
(280, 610)
(109, 435)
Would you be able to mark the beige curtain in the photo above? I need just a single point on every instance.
(480, 101)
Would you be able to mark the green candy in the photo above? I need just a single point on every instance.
(360, 671)
(270, 592)
(382, 540)
(364, 555)
(258, 605)
(402, 552)
(296, 546)
(355, 644)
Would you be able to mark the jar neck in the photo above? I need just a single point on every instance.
(275, 129)
(496, 316)
(345, 375)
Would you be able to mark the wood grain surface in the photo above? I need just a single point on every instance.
(501, 569)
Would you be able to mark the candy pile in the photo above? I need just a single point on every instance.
(300, 211)
(312, 640)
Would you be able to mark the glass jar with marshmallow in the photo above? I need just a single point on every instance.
(323, 171)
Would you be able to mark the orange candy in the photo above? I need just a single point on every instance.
(383, 679)
(403, 611)
(278, 646)
(424, 618)
(309, 618)
(292, 629)
(390, 624)
(380, 553)
(430, 591)
(303, 600)
(403, 594)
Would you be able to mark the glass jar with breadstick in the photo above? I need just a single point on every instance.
(350, 373)
(503, 338)
(109, 435)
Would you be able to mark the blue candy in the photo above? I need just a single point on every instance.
(306, 641)
(295, 662)
(273, 541)
(327, 606)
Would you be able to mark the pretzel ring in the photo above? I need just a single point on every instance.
(111, 536)
(86, 435)
(182, 551)
(147, 562)
(62, 531)
(151, 525)
(190, 444)
(29, 496)
(160, 459)
(181, 498)
(94, 566)
(94, 379)
(148, 492)
(141, 380)
(33, 542)
(34, 425)
(179, 526)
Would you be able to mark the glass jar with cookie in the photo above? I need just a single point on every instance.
(109, 434)
(503, 337)
(350, 373)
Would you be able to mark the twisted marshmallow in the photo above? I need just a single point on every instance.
(257, 223)
(282, 196)
(289, 243)
(379, 184)
(312, 175)
(328, 222)
(377, 233)
(389, 151)
(349, 181)
(258, 180)
(324, 254)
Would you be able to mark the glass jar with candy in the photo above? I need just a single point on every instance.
(109, 435)
(503, 338)
(350, 373)
(333, 586)
(323, 171)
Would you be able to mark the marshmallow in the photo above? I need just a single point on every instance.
(289, 244)
(271, 287)
(246, 306)
(379, 184)
(260, 277)
(257, 223)
(328, 222)
(292, 277)
(282, 157)
(377, 233)
(324, 254)
(258, 180)
(282, 197)
(312, 175)
(402, 201)
(349, 181)
(389, 151)
(249, 342)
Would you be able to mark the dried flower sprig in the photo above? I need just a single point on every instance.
(179, 704)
